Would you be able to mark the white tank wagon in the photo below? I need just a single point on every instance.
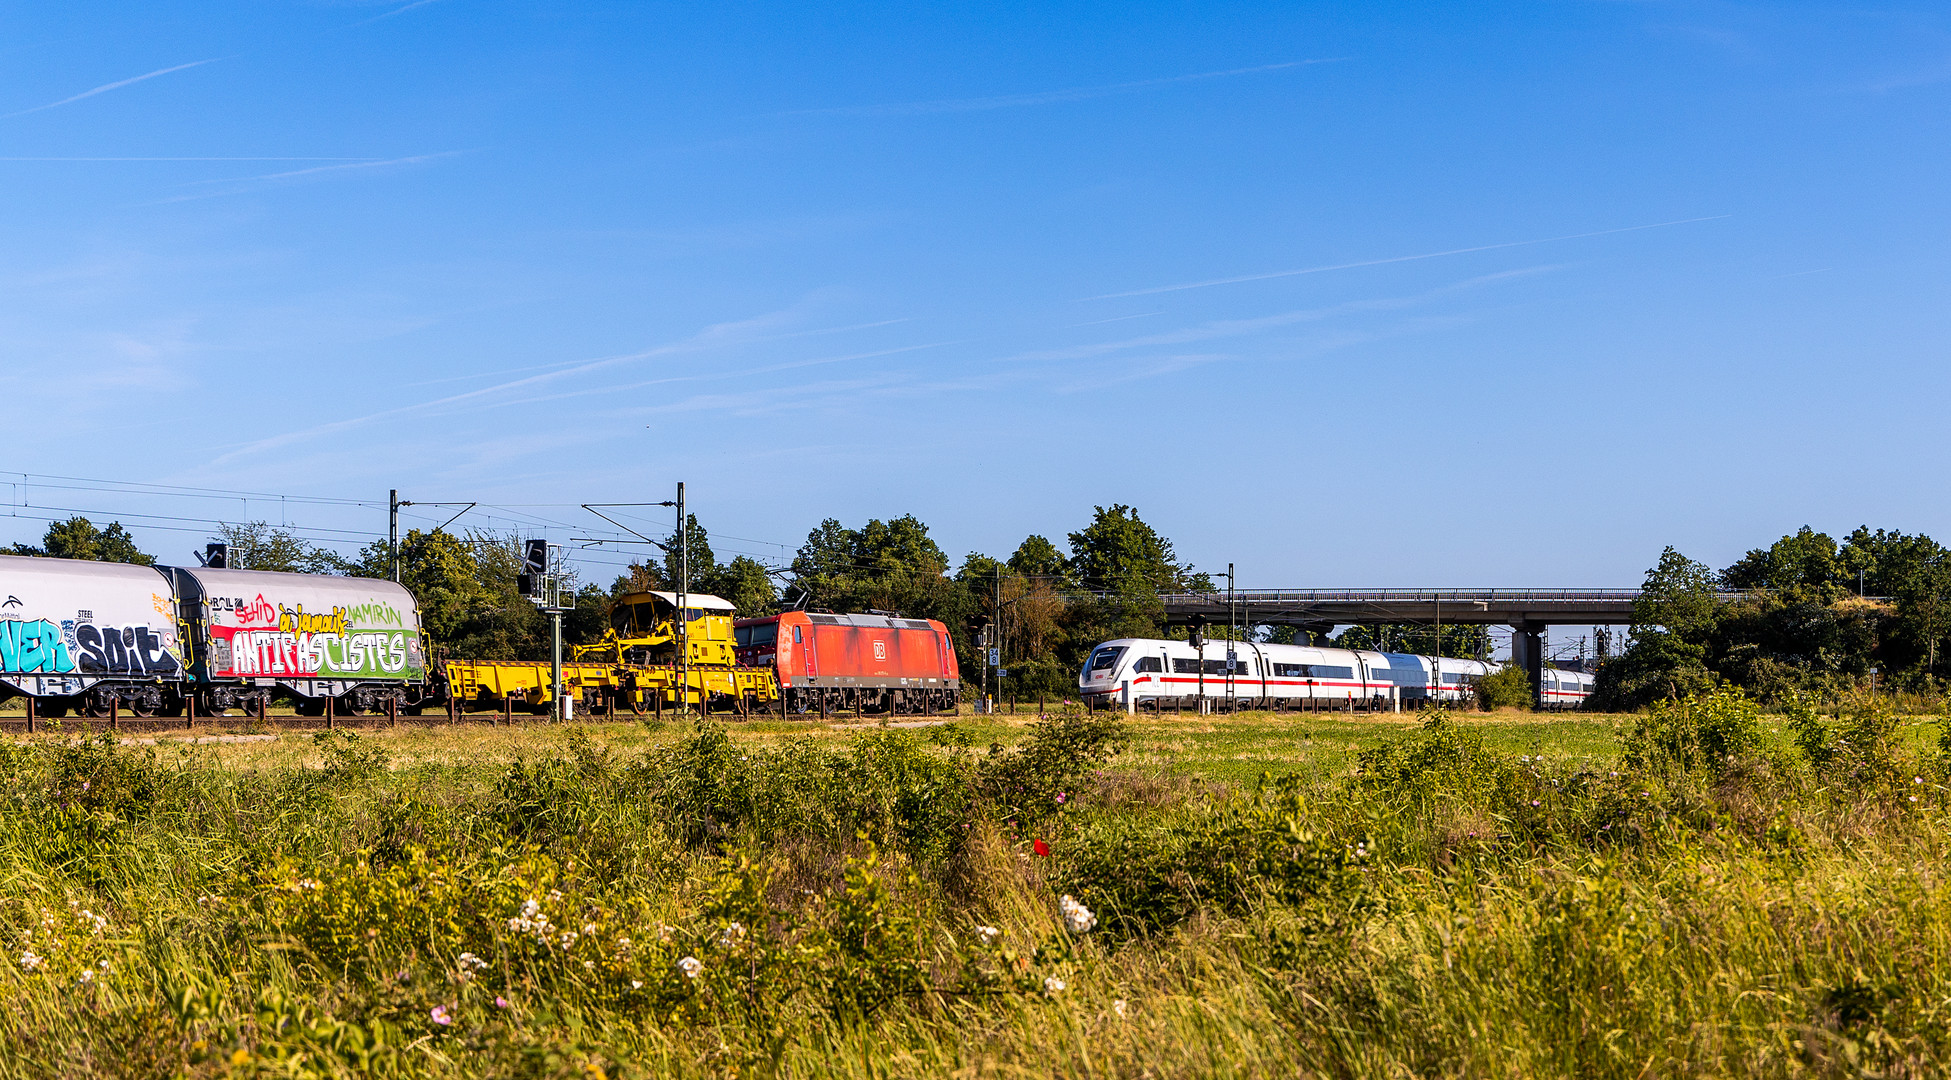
(77, 635)
(1258, 675)
(93, 637)
(354, 641)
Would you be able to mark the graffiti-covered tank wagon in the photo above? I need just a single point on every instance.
(89, 637)
(77, 634)
(354, 640)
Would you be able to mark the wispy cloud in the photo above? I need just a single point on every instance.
(715, 336)
(1046, 97)
(401, 10)
(1120, 318)
(1396, 259)
(241, 184)
(106, 87)
(368, 163)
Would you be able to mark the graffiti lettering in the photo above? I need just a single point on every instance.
(258, 612)
(280, 652)
(33, 646)
(374, 613)
(297, 620)
(130, 650)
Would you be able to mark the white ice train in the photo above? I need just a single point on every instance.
(1293, 676)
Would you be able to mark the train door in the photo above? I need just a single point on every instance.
(807, 651)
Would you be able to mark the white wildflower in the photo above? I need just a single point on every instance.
(568, 938)
(988, 934)
(555, 896)
(691, 966)
(636, 984)
(31, 962)
(87, 976)
(1053, 985)
(589, 928)
(622, 942)
(104, 965)
(1118, 1008)
(531, 908)
(1077, 918)
(730, 936)
(664, 933)
(589, 965)
(468, 962)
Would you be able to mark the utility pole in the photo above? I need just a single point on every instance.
(996, 620)
(1232, 643)
(1436, 651)
(555, 654)
(683, 600)
(393, 531)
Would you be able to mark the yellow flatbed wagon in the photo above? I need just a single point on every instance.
(633, 669)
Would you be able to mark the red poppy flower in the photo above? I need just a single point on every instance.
(1040, 847)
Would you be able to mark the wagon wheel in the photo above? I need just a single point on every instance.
(144, 706)
(97, 706)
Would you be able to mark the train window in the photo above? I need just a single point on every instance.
(760, 634)
(1107, 658)
(1149, 663)
(1313, 671)
(795, 635)
(1212, 667)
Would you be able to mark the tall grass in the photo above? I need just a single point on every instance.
(1708, 902)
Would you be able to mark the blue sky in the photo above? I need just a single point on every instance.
(1344, 294)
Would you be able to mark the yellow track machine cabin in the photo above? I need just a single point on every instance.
(635, 667)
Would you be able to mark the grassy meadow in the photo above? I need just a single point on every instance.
(1706, 889)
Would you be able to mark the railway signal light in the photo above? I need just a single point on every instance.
(216, 556)
(536, 560)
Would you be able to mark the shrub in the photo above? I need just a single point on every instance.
(1440, 760)
(1696, 734)
(1143, 876)
(1507, 687)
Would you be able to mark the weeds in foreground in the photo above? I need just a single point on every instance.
(1708, 902)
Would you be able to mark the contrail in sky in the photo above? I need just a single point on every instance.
(1395, 259)
(105, 88)
(1047, 97)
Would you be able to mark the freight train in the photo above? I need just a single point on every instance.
(95, 638)
(1268, 676)
(876, 663)
(101, 639)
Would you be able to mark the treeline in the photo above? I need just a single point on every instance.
(1814, 617)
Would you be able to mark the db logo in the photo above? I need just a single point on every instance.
(880, 650)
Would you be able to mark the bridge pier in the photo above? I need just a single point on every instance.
(1527, 651)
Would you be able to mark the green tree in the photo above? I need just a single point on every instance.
(748, 585)
(255, 545)
(1038, 557)
(466, 590)
(1118, 553)
(78, 538)
(1802, 566)
(699, 560)
(1674, 620)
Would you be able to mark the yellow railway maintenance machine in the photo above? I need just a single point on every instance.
(635, 668)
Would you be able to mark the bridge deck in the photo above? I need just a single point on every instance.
(1341, 607)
